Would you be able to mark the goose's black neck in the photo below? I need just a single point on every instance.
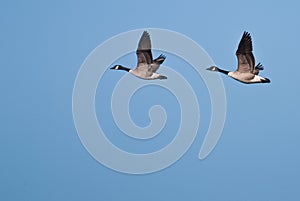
(223, 71)
(123, 68)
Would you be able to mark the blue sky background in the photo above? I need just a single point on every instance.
(43, 45)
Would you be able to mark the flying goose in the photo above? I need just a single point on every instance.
(146, 66)
(246, 71)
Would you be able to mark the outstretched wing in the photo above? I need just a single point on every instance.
(244, 54)
(143, 51)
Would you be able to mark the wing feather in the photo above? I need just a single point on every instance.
(246, 60)
(143, 52)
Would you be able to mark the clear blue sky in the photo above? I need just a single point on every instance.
(43, 45)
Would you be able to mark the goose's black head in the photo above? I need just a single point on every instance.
(116, 67)
(215, 68)
(119, 67)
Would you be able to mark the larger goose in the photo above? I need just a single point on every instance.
(246, 72)
(146, 66)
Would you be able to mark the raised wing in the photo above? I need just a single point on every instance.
(144, 54)
(244, 54)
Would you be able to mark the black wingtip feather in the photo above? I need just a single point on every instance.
(259, 66)
(162, 56)
(247, 34)
(146, 32)
(160, 59)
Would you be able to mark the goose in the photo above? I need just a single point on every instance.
(246, 72)
(146, 66)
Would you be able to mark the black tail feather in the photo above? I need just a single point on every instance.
(265, 80)
(162, 77)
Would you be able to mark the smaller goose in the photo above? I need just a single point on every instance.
(246, 72)
(146, 66)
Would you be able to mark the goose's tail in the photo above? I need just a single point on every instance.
(265, 80)
(161, 77)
